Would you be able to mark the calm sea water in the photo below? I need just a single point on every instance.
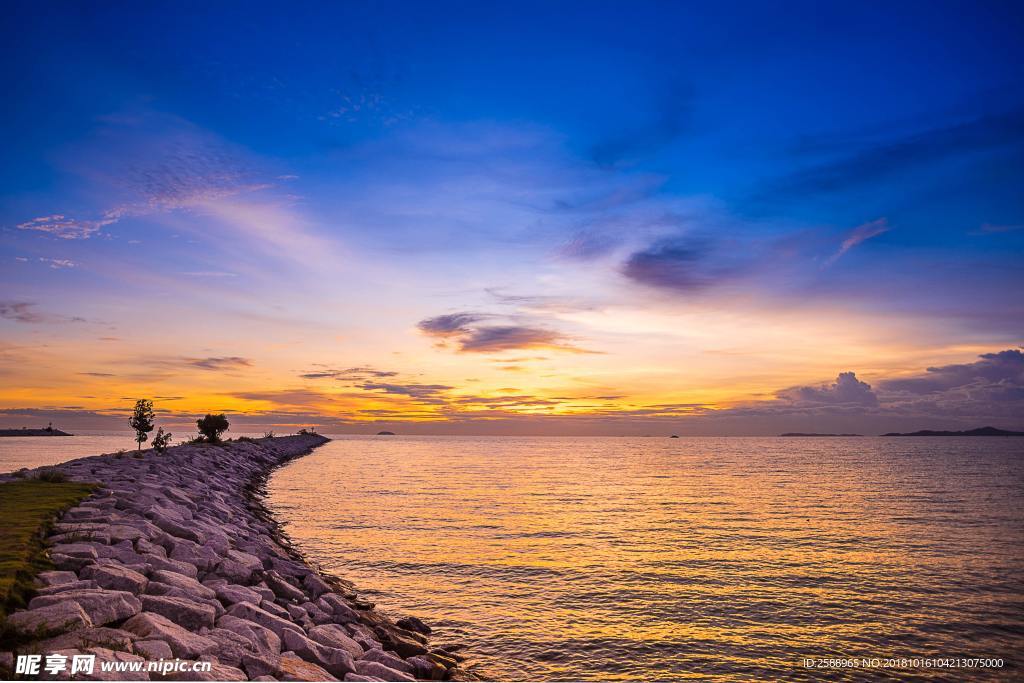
(729, 558)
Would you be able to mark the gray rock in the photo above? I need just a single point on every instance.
(336, 605)
(261, 666)
(102, 606)
(315, 585)
(99, 636)
(57, 578)
(388, 660)
(187, 583)
(115, 577)
(192, 615)
(155, 562)
(381, 672)
(360, 677)
(50, 618)
(282, 588)
(250, 612)
(64, 587)
(153, 649)
(427, 670)
(183, 644)
(229, 594)
(263, 639)
(275, 609)
(335, 660)
(334, 635)
(293, 668)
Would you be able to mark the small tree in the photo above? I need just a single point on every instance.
(142, 420)
(161, 441)
(212, 426)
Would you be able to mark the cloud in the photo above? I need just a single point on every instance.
(452, 324)
(58, 263)
(859, 234)
(680, 264)
(20, 311)
(1001, 372)
(218, 362)
(24, 312)
(429, 393)
(847, 390)
(357, 373)
(510, 337)
(473, 338)
(62, 227)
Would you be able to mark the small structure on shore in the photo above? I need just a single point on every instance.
(48, 430)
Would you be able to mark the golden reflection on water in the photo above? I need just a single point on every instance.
(734, 558)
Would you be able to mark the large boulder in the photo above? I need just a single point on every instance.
(183, 643)
(282, 588)
(111, 638)
(263, 639)
(186, 583)
(64, 615)
(381, 672)
(229, 594)
(294, 668)
(333, 635)
(333, 659)
(388, 660)
(250, 612)
(115, 577)
(192, 615)
(102, 606)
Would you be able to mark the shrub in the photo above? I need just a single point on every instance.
(246, 439)
(268, 435)
(212, 426)
(52, 476)
(142, 420)
(161, 441)
(307, 431)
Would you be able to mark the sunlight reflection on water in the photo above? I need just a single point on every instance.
(605, 558)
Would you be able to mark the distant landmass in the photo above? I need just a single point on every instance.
(981, 431)
(385, 433)
(815, 434)
(45, 431)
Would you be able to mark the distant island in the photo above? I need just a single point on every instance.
(815, 434)
(45, 431)
(981, 431)
(385, 433)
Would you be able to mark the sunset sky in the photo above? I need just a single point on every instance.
(537, 218)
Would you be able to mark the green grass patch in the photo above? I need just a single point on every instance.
(27, 509)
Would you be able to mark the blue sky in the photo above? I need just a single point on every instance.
(676, 204)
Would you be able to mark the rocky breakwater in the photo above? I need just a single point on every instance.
(174, 556)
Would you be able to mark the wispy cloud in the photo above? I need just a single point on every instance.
(462, 328)
(26, 312)
(859, 235)
(58, 263)
(350, 374)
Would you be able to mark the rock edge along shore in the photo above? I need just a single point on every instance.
(175, 556)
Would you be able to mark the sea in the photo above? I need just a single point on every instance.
(730, 559)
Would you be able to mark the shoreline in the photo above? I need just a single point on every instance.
(177, 555)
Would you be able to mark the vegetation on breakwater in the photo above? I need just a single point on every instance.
(27, 508)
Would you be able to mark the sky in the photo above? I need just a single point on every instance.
(514, 218)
